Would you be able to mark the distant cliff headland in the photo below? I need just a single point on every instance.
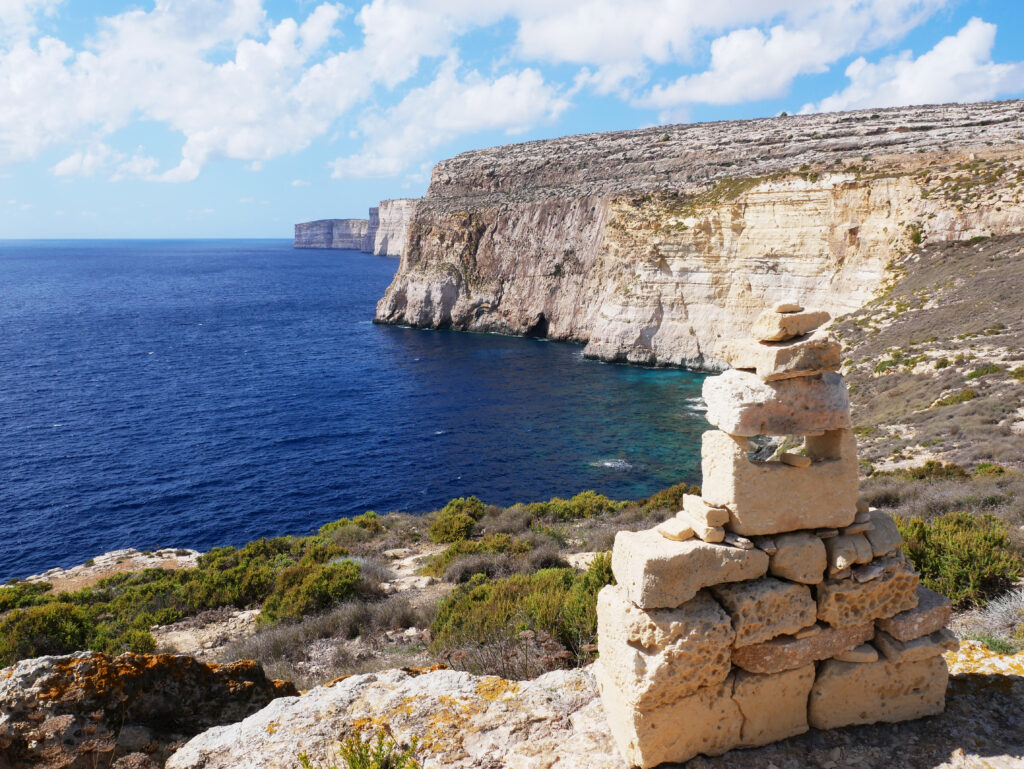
(650, 246)
(382, 233)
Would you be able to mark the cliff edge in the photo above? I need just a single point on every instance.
(650, 246)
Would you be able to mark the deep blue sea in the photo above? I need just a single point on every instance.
(200, 393)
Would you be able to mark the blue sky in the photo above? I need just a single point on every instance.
(237, 118)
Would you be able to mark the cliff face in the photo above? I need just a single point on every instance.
(333, 233)
(652, 245)
(393, 218)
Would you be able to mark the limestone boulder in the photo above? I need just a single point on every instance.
(799, 557)
(771, 497)
(805, 356)
(771, 326)
(765, 608)
(84, 710)
(883, 535)
(697, 508)
(740, 403)
(788, 652)
(708, 721)
(847, 550)
(657, 573)
(847, 693)
(930, 614)
(848, 602)
(655, 657)
(774, 707)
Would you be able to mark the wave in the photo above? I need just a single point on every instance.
(612, 464)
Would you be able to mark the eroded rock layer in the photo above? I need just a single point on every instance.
(652, 246)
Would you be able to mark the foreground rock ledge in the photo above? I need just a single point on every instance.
(557, 722)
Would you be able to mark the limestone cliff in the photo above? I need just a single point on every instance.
(333, 233)
(393, 220)
(652, 245)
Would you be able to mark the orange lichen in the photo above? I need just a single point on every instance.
(493, 688)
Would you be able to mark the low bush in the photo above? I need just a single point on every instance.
(670, 499)
(22, 594)
(929, 471)
(455, 521)
(961, 397)
(489, 545)
(985, 370)
(1018, 373)
(558, 602)
(586, 504)
(54, 628)
(989, 470)
(379, 751)
(302, 590)
(967, 558)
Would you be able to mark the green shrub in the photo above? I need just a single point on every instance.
(942, 363)
(470, 506)
(997, 644)
(932, 470)
(55, 628)
(451, 528)
(668, 499)
(961, 397)
(302, 590)
(586, 504)
(379, 752)
(966, 558)
(560, 602)
(22, 594)
(1018, 373)
(492, 543)
(981, 371)
(989, 470)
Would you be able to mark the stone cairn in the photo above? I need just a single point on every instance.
(776, 600)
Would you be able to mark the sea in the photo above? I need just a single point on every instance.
(195, 393)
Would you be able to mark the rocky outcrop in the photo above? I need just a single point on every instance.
(85, 710)
(393, 217)
(652, 246)
(557, 722)
(348, 234)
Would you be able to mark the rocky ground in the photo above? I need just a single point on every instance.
(115, 562)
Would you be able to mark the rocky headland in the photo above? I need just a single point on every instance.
(651, 246)
(382, 233)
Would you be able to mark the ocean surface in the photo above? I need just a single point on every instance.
(200, 393)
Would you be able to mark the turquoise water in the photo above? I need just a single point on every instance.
(200, 393)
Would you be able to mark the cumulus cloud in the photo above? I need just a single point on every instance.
(18, 18)
(958, 68)
(450, 106)
(86, 162)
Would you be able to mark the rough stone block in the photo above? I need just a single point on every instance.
(655, 657)
(740, 403)
(799, 557)
(860, 654)
(657, 573)
(765, 608)
(787, 307)
(774, 707)
(847, 602)
(918, 649)
(708, 721)
(847, 693)
(806, 356)
(777, 327)
(675, 529)
(700, 510)
(847, 550)
(770, 497)
(929, 615)
(788, 652)
(884, 537)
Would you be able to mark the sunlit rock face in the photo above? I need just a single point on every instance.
(653, 246)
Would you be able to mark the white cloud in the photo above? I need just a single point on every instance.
(958, 68)
(299, 183)
(747, 64)
(450, 106)
(18, 18)
(85, 162)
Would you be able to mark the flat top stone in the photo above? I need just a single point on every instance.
(788, 307)
(777, 326)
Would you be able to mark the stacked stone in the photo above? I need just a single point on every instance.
(775, 601)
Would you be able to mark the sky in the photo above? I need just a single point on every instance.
(238, 118)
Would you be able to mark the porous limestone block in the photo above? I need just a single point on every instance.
(799, 557)
(788, 652)
(708, 721)
(884, 537)
(787, 307)
(740, 403)
(675, 529)
(847, 602)
(770, 497)
(700, 510)
(847, 693)
(806, 356)
(918, 649)
(774, 707)
(847, 550)
(700, 528)
(931, 613)
(655, 657)
(777, 327)
(861, 654)
(794, 460)
(765, 608)
(657, 573)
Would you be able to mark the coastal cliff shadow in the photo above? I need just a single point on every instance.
(983, 725)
